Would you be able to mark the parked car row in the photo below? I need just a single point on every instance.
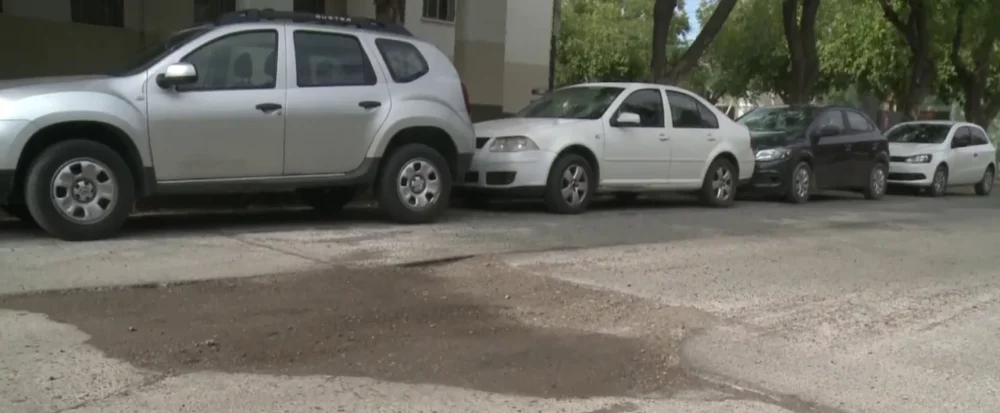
(266, 101)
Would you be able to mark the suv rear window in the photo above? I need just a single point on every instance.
(404, 61)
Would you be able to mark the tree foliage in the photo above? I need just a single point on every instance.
(599, 40)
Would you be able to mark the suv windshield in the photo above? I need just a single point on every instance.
(582, 102)
(776, 119)
(919, 133)
(158, 50)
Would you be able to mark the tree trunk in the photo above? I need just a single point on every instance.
(800, 34)
(916, 34)
(981, 105)
(663, 16)
(689, 60)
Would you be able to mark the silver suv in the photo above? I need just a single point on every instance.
(258, 101)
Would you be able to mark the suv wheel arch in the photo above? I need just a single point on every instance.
(100, 132)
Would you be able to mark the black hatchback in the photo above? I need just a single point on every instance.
(804, 149)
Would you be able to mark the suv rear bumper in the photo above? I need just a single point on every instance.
(6, 185)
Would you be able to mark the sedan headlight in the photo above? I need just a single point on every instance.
(512, 144)
(772, 154)
(924, 158)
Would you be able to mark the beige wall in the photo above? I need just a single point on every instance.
(53, 48)
(526, 58)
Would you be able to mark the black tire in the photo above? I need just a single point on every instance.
(728, 175)
(878, 181)
(626, 197)
(21, 213)
(328, 201)
(985, 186)
(39, 186)
(554, 200)
(798, 194)
(403, 210)
(939, 184)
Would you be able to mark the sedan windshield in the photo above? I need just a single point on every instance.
(776, 119)
(919, 133)
(158, 50)
(572, 103)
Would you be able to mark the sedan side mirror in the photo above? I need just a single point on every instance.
(628, 119)
(177, 74)
(538, 91)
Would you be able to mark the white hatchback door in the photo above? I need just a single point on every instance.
(982, 153)
(693, 137)
(964, 160)
(637, 154)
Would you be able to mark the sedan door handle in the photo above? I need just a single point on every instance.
(975, 155)
(369, 104)
(268, 107)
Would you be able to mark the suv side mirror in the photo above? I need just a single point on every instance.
(538, 91)
(628, 119)
(828, 130)
(177, 74)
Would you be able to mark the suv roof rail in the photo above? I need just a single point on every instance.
(257, 15)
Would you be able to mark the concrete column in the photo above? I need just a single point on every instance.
(526, 58)
(480, 46)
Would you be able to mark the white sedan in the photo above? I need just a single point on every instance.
(937, 154)
(580, 140)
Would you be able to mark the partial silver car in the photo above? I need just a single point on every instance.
(257, 101)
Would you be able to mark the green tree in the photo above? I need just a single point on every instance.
(974, 78)
(664, 13)
(600, 40)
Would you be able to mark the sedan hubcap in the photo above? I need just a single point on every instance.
(84, 190)
(419, 184)
(722, 183)
(574, 185)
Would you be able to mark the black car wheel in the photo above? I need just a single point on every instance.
(878, 180)
(800, 185)
(939, 184)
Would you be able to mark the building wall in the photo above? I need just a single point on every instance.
(527, 41)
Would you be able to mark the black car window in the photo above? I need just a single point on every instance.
(328, 59)
(830, 117)
(979, 137)
(858, 123)
(962, 137)
(688, 113)
(241, 60)
(648, 104)
(404, 61)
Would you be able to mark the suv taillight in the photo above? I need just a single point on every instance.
(465, 95)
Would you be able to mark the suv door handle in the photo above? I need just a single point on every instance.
(268, 107)
(975, 154)
(369, 104)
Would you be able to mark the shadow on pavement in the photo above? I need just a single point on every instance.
(395, 324)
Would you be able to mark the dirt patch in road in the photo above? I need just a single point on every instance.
(476, 324)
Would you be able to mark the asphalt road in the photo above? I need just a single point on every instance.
(840, 305)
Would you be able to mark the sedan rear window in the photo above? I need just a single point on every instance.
(403, 59)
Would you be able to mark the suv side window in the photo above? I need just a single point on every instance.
(238, 61)
(688, 113)
(962, 138)
(858, 123)
(979, 137)
(330, 59)
(648, 104)
(404, 61)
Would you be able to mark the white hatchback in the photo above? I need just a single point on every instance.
(937, 154)
(580, 140)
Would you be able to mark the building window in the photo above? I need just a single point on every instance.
(98, 12)
(209, 10)
(310, 6)
(439, 10)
